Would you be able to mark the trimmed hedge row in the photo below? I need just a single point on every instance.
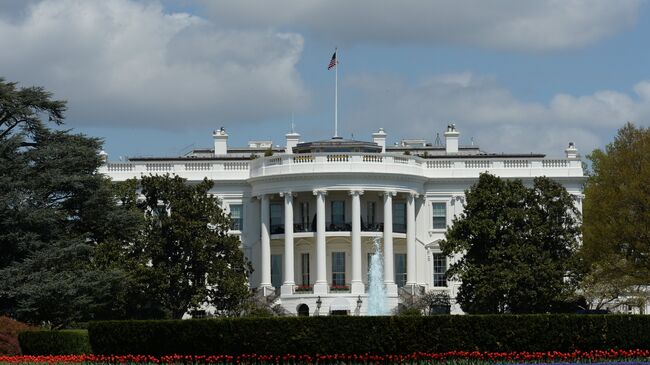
(379, 335)
(66, 342)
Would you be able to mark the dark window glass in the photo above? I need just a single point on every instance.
(439, 269)
(237, 218)
(399, 217)
(400, 269)
(439, 215)
(305, 269)
(276, 270)
(338, 268)
(277, 218)
(338, 212)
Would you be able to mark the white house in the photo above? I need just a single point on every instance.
(307, 215)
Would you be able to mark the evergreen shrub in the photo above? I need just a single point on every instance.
(378, 335)
(64, 342)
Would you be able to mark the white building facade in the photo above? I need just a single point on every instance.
(308, 213)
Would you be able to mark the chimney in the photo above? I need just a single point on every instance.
(292, 141)
(220, 141)
(380, 139)
(571, 151)
(451, 139)
(104, 156)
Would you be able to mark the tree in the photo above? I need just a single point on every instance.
(22, 108)
(517, 246)
(616, 232)
(191, 260)
(55, 211)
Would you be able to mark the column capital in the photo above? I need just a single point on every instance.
(414, 194)
(287, 194)
(388, 193)
(320, 191)
(261, 196)
(355, 191)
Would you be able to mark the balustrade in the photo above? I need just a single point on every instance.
(555, 163)
(369, 162)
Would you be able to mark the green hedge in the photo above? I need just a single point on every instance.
(54, 342)
(381, 335)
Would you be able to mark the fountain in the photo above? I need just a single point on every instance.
(376, 289)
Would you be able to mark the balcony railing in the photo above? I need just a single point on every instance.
(337, 227)
(345, 162)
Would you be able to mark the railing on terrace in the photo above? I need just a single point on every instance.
(354, 162)
(337, 227)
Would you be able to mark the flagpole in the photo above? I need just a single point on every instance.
(336, 97)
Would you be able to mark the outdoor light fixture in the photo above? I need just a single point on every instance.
(359, 301)
(318, 302)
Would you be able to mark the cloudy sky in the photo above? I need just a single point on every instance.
(156, 77)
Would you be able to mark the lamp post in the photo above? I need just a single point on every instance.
(359, 302)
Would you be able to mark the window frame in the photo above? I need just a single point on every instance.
(304, 274)
(338, 277)
(433, 216)
(332, 203)
(398, 274)
(439, 277)
(277, 277)
(234, 226)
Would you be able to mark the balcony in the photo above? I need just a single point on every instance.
(352, 162)
(337, 227)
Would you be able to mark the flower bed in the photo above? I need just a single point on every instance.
(618, 357)
(342, 288)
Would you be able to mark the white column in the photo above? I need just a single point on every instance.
(266, 245)
(320, 286)
(289, 283)
(410, 239)
(357, 286)
(389, 271)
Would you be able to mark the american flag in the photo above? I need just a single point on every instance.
(333, 62)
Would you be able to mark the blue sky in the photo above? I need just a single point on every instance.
(155, 78)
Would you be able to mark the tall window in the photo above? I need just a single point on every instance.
(277, 221)
(400, 269)
(439, 269)
(439, 215)
(338, 212)
(371, 209)
(276, 270)
(236, 216)
(370, 255)
(304, 216)
(304, 258)
(399, 217)
(338, 268)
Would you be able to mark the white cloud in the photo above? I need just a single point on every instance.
(483, 109)
(126, 63)
(502, 24)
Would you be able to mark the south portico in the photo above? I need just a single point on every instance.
(345, 232)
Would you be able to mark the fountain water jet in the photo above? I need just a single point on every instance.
(376, 289)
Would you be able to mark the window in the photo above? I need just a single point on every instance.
(338, 268)
(439, 215)
(370, 256)
(399, 217)
(237, 223)
(439, 269)
(304, 258)
(276, 270)
(304, 216)
(400, 269)
(371, 213)
(338, 212)
(277, 221)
